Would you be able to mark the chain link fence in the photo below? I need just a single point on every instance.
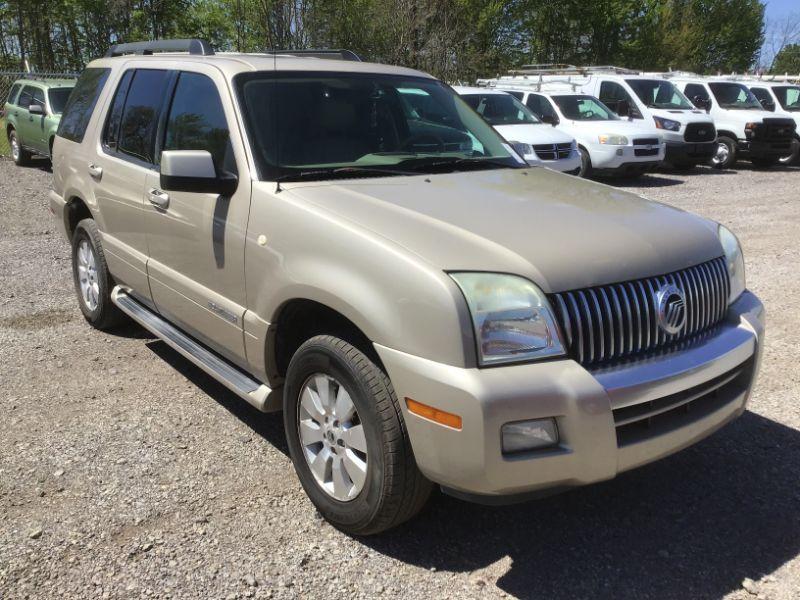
(7, 79)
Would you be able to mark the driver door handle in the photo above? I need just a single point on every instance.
(158, 198)
(95, 171)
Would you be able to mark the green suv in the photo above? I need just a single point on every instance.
(32, 112)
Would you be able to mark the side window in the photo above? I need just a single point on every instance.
(12, 95)
(25, 97)
(764, 98)
(517, 95)
(111, 130)
(695, 91)
(611, 93)
(197, 121)
(37, 96)
(137, 130)
(541, 106)
(80, 105)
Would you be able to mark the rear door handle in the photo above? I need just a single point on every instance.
(158, 198)
(95, 171)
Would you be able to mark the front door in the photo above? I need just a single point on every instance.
(30, 127)
(196, 240)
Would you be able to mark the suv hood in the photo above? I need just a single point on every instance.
(561, 232)
(621, 127)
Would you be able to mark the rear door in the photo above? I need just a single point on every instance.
(196, 240)
(36, 123)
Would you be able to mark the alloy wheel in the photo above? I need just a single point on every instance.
(332, 437)
(14, 146)
(87, 275)
(722, 155)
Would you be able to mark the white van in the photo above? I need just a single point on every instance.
(538, 143)
(782, 99)
(608, 145)
(744, 128)
(646, 101)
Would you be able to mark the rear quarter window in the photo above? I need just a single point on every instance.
(81, 103)
(12, 95)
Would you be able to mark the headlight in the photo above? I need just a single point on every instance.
(613, 140)
(735, 261)
(668, 124)
(522, 149)
(512, 319)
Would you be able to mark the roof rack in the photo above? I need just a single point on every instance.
(564, 69)
(194, 46)
(319, 53)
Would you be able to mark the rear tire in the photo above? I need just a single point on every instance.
(725, 157)
(22, 158)
(93, 282)
(794, 157)
(362, 484)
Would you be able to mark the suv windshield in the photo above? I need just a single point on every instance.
(788, 96)
(584, 108)
(657, 93)
(58, 99)
(328, 125)
(501, 109)
(734, 95)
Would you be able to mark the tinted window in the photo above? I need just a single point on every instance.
(197, 121)
(789, 97)
(657, 93)
(12, 95)
(541, 106)
(734, 95)
(37, 96)
(111, 132)
(584, 108)
(25, 97)
(58, 99)
(611, 93)
(500, 109)
(696, 93)
(81, 103)
(140, 116)
(517, 95)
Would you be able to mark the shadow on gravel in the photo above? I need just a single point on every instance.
(692, 526)
(645, 181)
(268, 426)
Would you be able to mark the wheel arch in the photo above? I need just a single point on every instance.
(75, 211)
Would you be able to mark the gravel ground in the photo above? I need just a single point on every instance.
(126, 472)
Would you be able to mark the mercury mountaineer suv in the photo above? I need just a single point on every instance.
(423, 306)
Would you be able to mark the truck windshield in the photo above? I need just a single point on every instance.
(332, 125)
(788, 96)
(501, 109)
(657, 93)
(584, 108)
(734, 96)
(58, 99)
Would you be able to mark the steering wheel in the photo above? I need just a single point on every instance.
(588, 114)
(424, 139)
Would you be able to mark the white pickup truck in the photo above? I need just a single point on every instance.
(538, 143)
(782, 99)
(608, 145)
(745, 129)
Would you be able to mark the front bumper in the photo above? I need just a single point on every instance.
(591, 409)
(624, 158)
(58, 210)
(759, 149)
(690, 152)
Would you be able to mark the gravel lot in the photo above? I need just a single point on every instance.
(126, 472)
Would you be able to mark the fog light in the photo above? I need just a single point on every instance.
(529, 435)
(620, 151)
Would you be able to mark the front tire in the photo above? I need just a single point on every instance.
(22, 158)
(93, 282)
(725, 157)
(347, 439)
(586, 163)
(794, 157)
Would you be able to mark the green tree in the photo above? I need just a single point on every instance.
(787, 60)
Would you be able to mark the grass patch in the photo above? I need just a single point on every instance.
(4, 149)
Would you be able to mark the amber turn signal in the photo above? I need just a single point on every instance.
(433, 414)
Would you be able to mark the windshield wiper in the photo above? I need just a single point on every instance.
(435, 162)
(321, 174)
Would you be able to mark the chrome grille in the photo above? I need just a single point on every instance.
(553, 151)
(605, 323)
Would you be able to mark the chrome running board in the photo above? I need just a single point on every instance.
(232, 377)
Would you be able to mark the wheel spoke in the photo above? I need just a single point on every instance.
(323, 385)
(356, 468)
(311, 404)
(310, 432)
(344, 409)
(341, 485)
(319, 465)
(354, 438)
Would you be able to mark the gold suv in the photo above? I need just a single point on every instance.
(422, 305)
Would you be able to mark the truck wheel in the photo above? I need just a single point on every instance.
(93, 282)
(793, 157)
(347, 439)
(586, 163)
(725, 157)
(22, 158)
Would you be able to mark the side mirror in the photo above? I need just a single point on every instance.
(702, 103)
(194, 171)
(550, 119)
(36, 109)
(623, 108)
(767, 105)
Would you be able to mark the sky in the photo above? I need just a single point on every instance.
(777, 10)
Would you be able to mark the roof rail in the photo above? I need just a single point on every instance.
(319, 53)
(194, 46)
(562, 69)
